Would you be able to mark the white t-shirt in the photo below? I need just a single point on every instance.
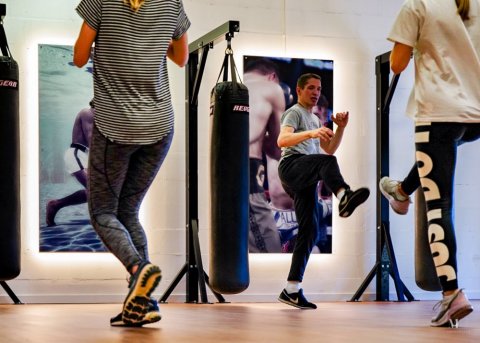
(447, 64)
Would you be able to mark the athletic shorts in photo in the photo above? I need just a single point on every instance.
(75, 160)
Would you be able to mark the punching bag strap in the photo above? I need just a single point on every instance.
(3, 41)
(233, 68)
(224, 69)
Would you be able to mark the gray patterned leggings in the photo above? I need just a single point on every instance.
(119, 177)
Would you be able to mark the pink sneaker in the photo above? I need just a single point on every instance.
(388, 188)
(452, 308)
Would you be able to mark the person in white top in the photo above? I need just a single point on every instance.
(444, 37)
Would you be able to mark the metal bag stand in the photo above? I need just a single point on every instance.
(196, 277)
(386, 264)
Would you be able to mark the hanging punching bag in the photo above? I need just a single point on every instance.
(10, 163)
(229, 184)
(425, 273)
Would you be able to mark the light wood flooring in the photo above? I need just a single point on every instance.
(337, 322)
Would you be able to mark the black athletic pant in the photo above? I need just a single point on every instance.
(300, 175)
(412, 181)
(436, 152)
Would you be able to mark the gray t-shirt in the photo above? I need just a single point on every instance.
(301, 120)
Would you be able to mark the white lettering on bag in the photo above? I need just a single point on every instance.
(8, 83)
(241, 108)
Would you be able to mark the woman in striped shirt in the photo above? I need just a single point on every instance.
(133, 127)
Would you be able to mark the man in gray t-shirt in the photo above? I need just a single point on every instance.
(307, 158)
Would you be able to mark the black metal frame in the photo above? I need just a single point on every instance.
(3, 38)
(3, 11)
(386, 264)
(10, 293)
(196, 277)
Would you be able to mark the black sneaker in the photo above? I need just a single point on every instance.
(152, 316)
(351, 200)
(142, 284)
(296, 299)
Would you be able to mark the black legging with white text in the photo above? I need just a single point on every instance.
(436, 152)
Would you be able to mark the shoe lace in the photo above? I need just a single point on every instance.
(445, 301)
(391, 186)
(438, 304)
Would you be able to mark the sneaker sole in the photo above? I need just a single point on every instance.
(462, 313)
(150, 318)
(356, 200)
(459, 314)
(452, 319)
(135, 307)
(295, 305)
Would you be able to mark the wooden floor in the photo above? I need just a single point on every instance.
(239, 322)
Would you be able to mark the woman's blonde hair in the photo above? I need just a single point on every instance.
(463, 8)
(136, 4)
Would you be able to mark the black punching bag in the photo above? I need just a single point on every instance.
(425, 272)
(229, 185)
(10, 164)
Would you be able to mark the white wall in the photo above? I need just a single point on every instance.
(350, 32)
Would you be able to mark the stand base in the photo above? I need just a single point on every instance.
(379, 270)
(203, 294)
(10, 293)
(401, 289)
(196, 276)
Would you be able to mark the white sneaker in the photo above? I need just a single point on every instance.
(389, 189)
(452, 308)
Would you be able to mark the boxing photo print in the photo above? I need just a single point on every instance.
(66, 111)
(271, 82)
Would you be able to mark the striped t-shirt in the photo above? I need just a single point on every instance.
(131, 88)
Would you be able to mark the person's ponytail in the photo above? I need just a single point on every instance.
(463, 8)
(136, 4)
